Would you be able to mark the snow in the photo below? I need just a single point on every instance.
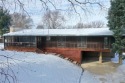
(1, 45)
(118, 76)
(116, 58)
(44, 68)
(29, 67)
(63, 32)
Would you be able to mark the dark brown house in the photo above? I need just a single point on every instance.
(75, 44)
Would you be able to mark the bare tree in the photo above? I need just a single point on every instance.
(40, 27)
(53, 19)
(54, 4)
(87, 25)
(97, 24)
(21, 21)
(82, 25)
(79, 25)
(93, 24)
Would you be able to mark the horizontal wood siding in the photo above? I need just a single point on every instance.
(70, 47)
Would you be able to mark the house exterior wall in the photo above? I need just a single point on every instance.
(14, 29)
(78, 42)
(70, 47)
(74, 54)
(24, 49)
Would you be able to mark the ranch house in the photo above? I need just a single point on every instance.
(76, 44)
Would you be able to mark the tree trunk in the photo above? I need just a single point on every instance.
(100, 57)
(120, 59)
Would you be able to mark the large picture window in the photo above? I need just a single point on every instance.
(81, 42)
(61, 42)
(24, 41)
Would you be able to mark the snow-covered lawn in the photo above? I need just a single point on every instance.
(31, 67)
(116, 58)
(40, 68)
(1, 45)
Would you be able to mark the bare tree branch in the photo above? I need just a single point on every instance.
(93, 24)
(7, 73)
(21, 21)
(46, 4)
(53, 19)
(73, 5)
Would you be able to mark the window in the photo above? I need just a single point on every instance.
(81, 42)
(48, 38)
(24, 41)
(106, 43)
(106, 40)
(61, 42)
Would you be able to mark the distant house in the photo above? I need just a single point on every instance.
(14, 28)
(75, 44)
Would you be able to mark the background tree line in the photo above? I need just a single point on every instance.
(55, 20)
(16, 20)
(4, 21)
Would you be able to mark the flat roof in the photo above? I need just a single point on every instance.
(63, 32)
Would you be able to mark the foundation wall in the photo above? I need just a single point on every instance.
(25, 49)
(74, 54)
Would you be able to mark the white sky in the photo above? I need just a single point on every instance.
(35, 10)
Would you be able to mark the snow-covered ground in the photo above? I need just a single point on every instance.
(116, 58)
(40, 68)
(1, 45)
(31, 67)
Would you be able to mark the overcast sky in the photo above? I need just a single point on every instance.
(35, 9)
